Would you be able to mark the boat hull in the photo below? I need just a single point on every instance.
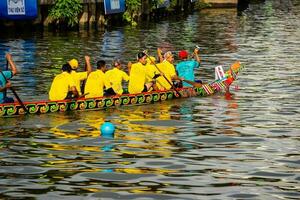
(41, 107)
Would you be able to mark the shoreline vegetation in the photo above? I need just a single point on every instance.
(88, 14)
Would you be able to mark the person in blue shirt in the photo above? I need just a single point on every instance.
(185, 68)
(5, 77)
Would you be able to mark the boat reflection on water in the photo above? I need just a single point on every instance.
(141, 132)
(149, 128)
(72, 141)
(226, 117)
(233, 115)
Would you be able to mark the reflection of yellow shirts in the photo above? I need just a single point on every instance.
(168, 70)
(95, 83)
(78, 77)
(150, 71)
(137, 78)
(61, 86)
(115, 76)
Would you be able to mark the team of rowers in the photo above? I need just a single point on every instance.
(143, 76)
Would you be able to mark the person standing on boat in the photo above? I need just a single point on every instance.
(63, 85)
(138, 76)
(80, 76)
(185, 68)
(97, 81)
(5, 76)
(115, 77)
(167, 68)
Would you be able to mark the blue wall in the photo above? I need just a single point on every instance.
(18, 9)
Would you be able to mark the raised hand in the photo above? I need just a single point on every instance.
(8, 84)
(8, 57)
(87, 58)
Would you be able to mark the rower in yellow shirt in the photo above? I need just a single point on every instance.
(97, 81)
(63, 86)
(138, 76)
(115, 76)
(168, 69)
(152, 71)
(80, 76)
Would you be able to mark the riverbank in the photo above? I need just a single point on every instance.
(94, 13)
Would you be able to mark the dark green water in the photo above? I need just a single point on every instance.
(243, 147)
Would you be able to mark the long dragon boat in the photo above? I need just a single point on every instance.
(41, 107)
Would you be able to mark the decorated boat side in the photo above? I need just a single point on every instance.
(41, 107)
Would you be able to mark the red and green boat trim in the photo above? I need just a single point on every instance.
(41, 107)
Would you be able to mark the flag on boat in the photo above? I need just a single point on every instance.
(219, 72)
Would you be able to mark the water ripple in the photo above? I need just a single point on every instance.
(242, 147)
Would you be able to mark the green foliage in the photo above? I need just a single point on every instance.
(132, 11)
(66, 11)
(173, 4)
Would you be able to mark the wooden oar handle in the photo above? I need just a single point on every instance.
(19, 100)
(194, 84)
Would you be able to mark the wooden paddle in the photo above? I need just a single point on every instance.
(194, 84)
(14, 92)
(172, 86)
(83, 95)
(84, 81)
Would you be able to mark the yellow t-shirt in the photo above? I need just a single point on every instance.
(168, 70)
(60, 86)
(137, 78)
(115, 76)
(78, 77)
(151, 71)
(95, 83)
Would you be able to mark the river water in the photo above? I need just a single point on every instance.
(241, 147)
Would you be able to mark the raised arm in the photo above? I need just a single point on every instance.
(88, 64)
(196, 53)
(11, 63)
(129, 67)
(159, 54)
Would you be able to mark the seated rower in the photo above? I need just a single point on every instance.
(138, 76)
(80, 76)
(97, 81)
(5, 76)
(115, 76)
(185, 68)
(152, 72)
(168, 69)
(63, 86)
